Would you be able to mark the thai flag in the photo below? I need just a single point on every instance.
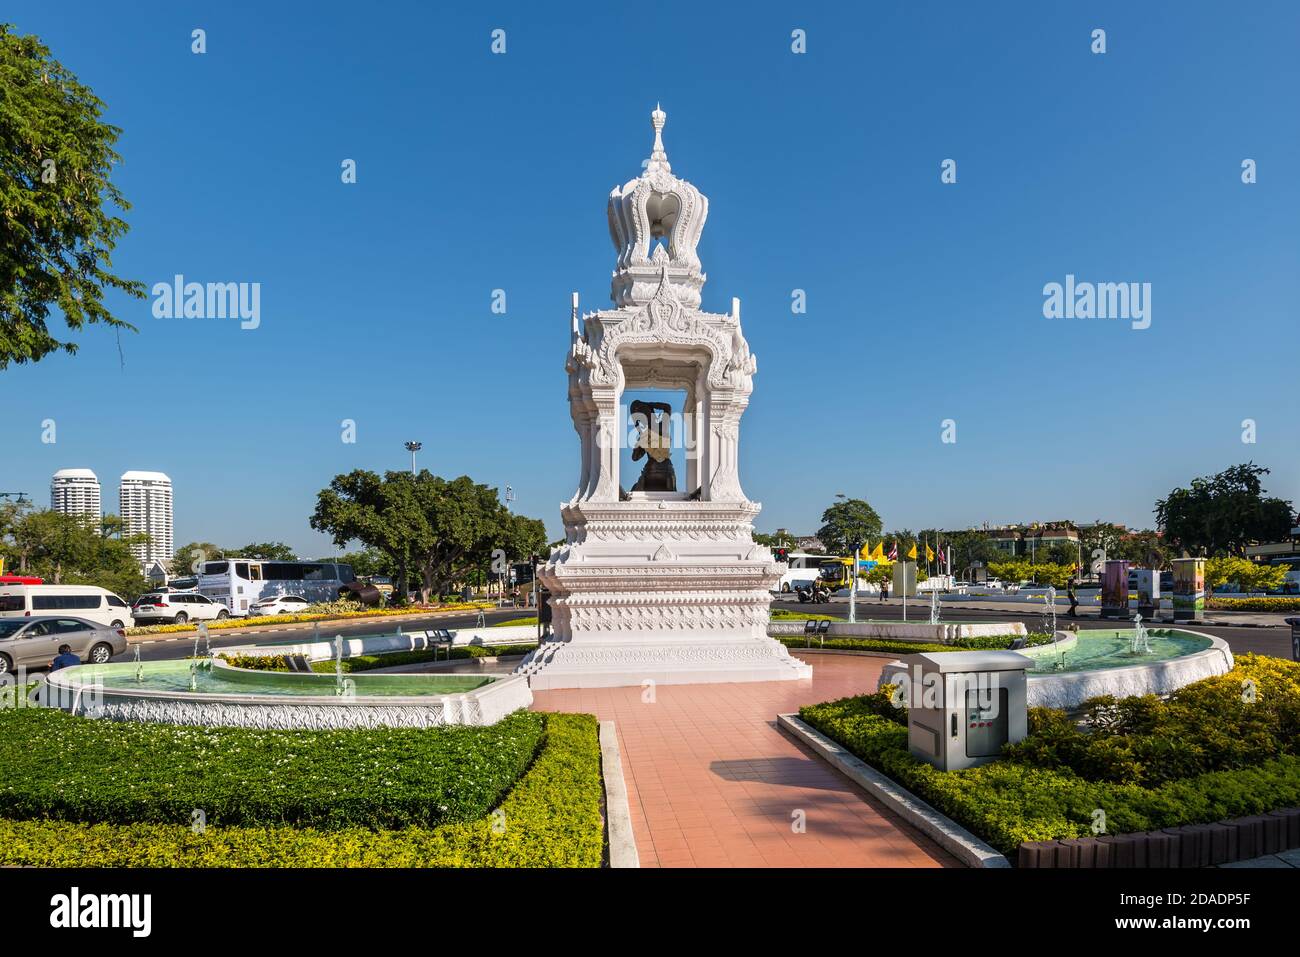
(893, 552)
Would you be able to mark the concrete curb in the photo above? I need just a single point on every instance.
(950, 835)
(618, 818)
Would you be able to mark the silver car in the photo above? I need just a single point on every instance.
(34, 642)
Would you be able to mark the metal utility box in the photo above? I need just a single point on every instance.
(963, 706)
(1148, 589)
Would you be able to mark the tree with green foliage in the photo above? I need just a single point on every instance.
(781, 539)
(377, 511)
(66, 550)
(187, 559)
(1057, 553)
(848, 524)
(1221, 514)
(1261, 577)
(435, 530)
(58, 228)
(367, 563)
(1249, 576)
(1144, 549)
(970, 548)
(272, 551)
(1012, 571)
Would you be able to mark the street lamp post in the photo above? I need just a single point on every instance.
(413, 447)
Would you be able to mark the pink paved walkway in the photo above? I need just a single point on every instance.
(712, 782)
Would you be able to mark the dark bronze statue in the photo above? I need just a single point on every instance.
(654, 443)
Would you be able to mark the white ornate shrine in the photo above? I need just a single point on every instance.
(663, 586)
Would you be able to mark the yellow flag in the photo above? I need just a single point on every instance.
(911, 552)
(879, 554)
(929, 553)
(864, 553)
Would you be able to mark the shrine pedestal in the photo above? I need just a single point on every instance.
(669, 592)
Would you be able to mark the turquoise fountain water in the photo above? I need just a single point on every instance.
(1114, 648)
(1141, 640)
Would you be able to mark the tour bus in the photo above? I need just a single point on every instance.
(803, 568)
(77, 601)
(238, 582)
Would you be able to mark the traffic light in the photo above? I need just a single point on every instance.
(781, 554)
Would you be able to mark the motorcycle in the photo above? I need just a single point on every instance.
(814, 592)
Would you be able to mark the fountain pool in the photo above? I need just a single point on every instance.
(1113, 648)
(212, 692)
(223, 679)
(1104, 662)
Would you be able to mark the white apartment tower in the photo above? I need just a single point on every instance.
(76, 492)
(146, 503)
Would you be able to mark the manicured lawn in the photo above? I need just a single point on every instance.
(82, 793)
(1211, 751)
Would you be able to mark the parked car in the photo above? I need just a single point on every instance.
(34, 642)
(85, 601)
(176, 608)
(278, 605)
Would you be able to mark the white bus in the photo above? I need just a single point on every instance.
(802, 568)
(238, 582)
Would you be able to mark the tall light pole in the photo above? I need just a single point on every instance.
(413, 447)
(510, 497)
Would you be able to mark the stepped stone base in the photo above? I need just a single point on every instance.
(659, 589)
(625, 663)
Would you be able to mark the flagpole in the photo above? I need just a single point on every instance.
(904, 560)
(853, 589)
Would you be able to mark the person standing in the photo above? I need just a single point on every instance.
(1074, 599)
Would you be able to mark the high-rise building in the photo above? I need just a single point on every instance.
(146, 503)
(76, 492)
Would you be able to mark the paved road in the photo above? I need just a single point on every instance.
(1269, 641)
(1265, 641)
(160, 647)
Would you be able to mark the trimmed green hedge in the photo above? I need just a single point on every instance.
(70, 768)
(226, 623)
(789, 614)
(1265, 603)
(371, 662)
(550, 819)
(1226, 761)
(388, 660)
(895, 646)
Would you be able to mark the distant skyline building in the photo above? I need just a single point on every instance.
(77, 492)
(146, 506)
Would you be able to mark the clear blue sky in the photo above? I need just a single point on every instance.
(479, 171)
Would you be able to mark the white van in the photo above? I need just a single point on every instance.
(802, 568)
(82, 601)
